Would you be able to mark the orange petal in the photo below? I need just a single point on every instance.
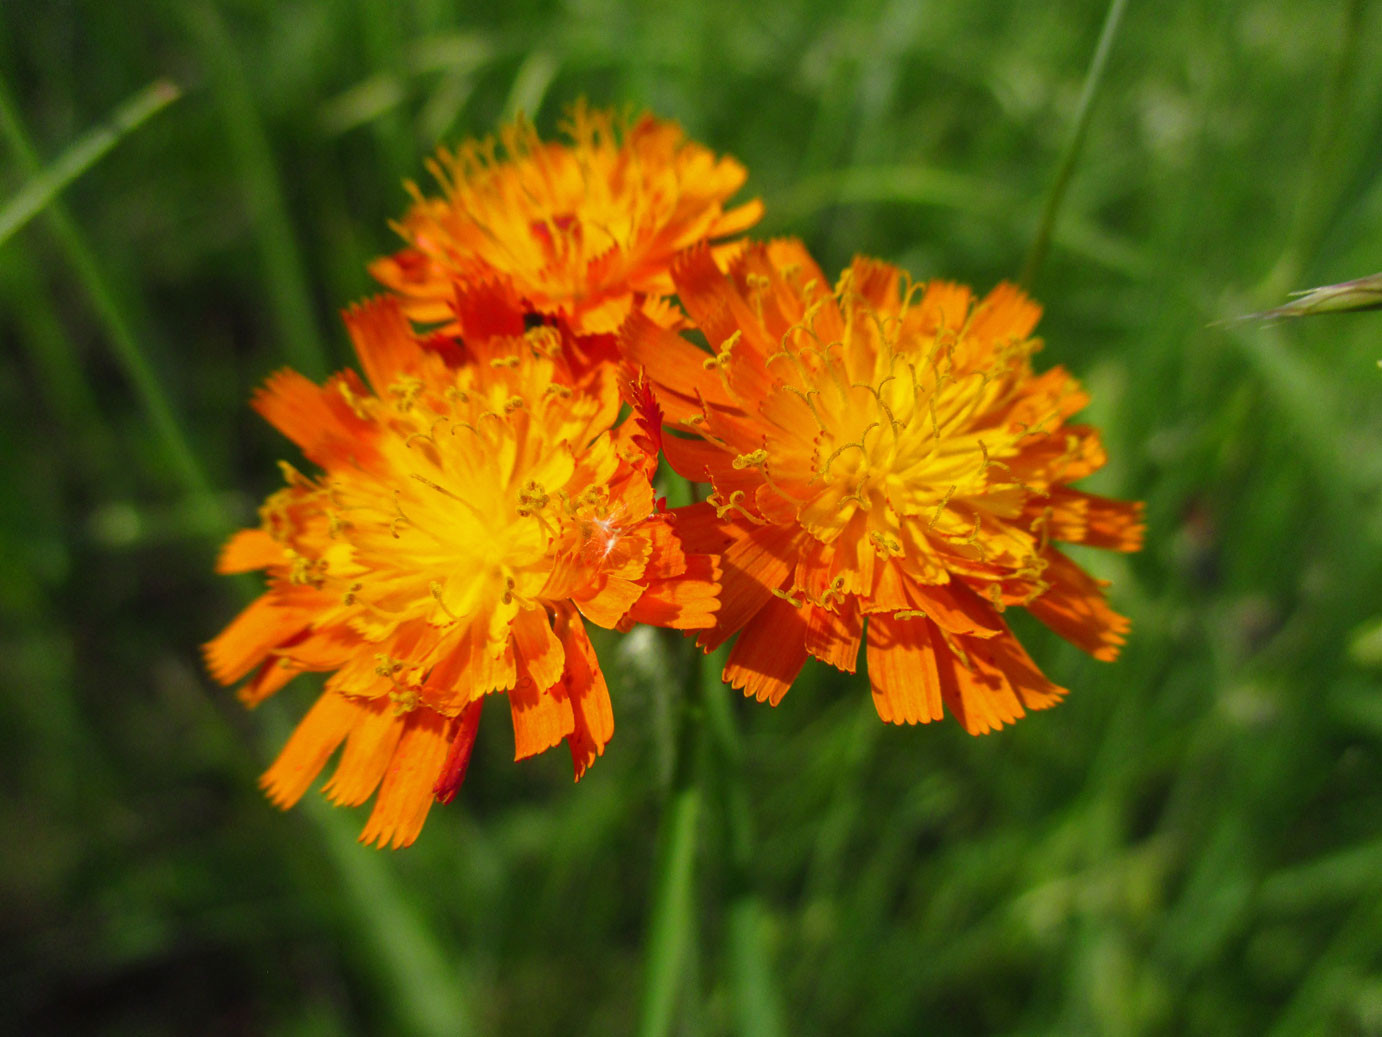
(541, 719)
(769, 653)
(1075, 608)
(406, 794)
(685, 602)
(956, 609)
(272, 675)
(368, 751)
(1005, 660)
(316, 738)
(537, 648)
(383, 340)
(902, 669)
(592, 710)
(756, 564)
(247, 550)
(981, 699)
(833, 637)
(250, 636)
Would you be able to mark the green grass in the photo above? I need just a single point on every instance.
(1189, 844)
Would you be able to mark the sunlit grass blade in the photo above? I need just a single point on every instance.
(89, 149)
(1094, 78)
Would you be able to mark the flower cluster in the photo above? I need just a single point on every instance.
(882, 467)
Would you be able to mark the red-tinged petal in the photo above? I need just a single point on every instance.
(463, 730)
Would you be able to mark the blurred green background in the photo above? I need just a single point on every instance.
(1189, 844)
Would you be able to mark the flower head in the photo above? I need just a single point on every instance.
(584, 230)
(467, 517)
(885, 459)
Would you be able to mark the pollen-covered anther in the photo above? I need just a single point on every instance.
(532, 499)
(293, 477)
(885, 544)
(348, 598)
(543, 339)
(559, 391)
(307, 572)
(795, 602)
(406, 391)
(434, 587)
(514, 403)
(386, 665)
(756, 459)
(404, 700)
(505, 362)
(909, 614)
(354, 402)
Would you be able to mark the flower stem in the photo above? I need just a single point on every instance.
(756, 1002)
(670, 923)
(1092, 81)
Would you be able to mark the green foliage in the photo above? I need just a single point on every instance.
(1189, 844)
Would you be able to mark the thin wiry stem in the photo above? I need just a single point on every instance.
(1092, 81)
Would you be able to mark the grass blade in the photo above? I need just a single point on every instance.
(35, 196)
(1093, 80)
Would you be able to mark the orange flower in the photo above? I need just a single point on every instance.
(466, 519)
(885, 459)
(583, 231)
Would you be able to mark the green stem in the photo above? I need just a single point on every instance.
(1093, 79)
(670, 923)
(756, 1002)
